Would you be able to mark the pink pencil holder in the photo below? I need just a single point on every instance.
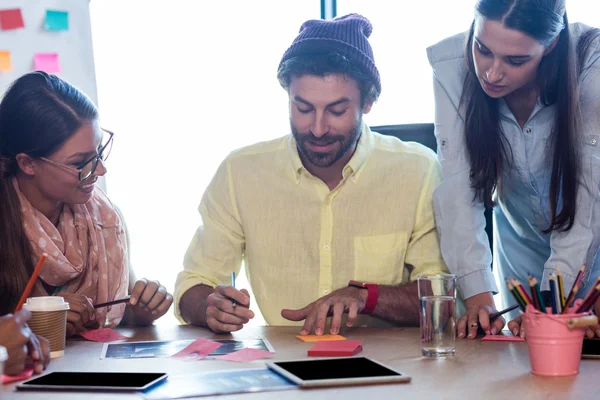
(554, 349)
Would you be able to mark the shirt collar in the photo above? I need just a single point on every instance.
(351, 170)
(505, 111)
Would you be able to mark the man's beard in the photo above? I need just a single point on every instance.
(342, 145)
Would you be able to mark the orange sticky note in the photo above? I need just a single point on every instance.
(320, 338)
(5, 64)
(11, 19)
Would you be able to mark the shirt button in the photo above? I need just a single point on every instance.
(326, 247)
(528, 130)
(325, 291)
(594, 141)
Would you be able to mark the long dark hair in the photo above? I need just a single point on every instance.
(557, 78)
(38, 113)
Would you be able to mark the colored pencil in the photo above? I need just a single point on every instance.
(110, 303)
(591, 298)
(522, 291)
(570, 299)
(534, 298)
(32, 280)
(538, 293)
(516, 294)
(561, 289)
(552, 284)
(494, 316)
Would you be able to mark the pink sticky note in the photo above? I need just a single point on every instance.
(11, 19)
(245, 355)
(47, 62)
(340, 348)
(103, 335)
(502, 338)
(27, 372)
(197, 350)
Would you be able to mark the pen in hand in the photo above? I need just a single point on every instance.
(233, 286)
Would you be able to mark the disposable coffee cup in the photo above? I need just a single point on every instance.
(49, 319)
(3, 358)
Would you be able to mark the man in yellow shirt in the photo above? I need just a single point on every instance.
(332, 220)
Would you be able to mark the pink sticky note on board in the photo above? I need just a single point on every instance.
(245, 355)
(502, 338)
(103, 335)
(197, 350)
(11, 19)
(26, 374)
(47, 62)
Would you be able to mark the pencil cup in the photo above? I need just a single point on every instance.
(554, 349)
(49, 319)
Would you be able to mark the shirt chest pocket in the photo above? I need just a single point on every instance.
(380, 258)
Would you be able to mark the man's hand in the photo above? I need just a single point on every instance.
(149, 301)
(81, 314)
(222, 315)
(350, 300)
(479, 308)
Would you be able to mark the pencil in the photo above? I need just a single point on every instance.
(536, 302)
(522, 291)
(538, 293)
(516, 294)
(110, 303)
(233, 285)
(591, 298)
(32, 280)
(494, 316)
(561, 289)
(552, 283)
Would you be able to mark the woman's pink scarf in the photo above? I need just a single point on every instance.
(86, 252)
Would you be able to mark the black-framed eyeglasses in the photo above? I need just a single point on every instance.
(87, 168)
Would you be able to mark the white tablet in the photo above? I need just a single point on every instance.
(94, 381)
(336, 372)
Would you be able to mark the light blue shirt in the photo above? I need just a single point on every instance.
(523, 211)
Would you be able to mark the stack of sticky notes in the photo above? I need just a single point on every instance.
(320, 338)
(336, 348)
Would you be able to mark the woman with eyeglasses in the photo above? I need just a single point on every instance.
(517, 122)
(52, 152)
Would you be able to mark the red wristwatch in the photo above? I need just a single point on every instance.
(372, 295)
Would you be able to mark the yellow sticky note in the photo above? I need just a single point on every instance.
(320, 338)
(5, 64)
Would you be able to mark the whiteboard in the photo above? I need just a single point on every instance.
(74, 47)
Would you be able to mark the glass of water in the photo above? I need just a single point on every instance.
(437, 295)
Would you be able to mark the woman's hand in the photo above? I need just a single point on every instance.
(20, 343)
(81, 314)
(479, 308)
(149, 301)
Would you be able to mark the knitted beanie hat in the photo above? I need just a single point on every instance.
(348, 35)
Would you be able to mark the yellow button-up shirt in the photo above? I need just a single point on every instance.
(299, 240)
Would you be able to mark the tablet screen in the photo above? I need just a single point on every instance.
(341, 368)
(91, 380)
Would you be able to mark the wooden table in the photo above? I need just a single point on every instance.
(489, 370)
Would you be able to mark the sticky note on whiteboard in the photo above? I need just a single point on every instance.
(11, 19)
(56, 20)
(5, 64)
(47, 62)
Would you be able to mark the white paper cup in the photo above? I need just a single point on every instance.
(49, 319)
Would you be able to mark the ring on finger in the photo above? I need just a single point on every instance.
(473, 324)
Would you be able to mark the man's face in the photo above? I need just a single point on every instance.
(326, 118)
